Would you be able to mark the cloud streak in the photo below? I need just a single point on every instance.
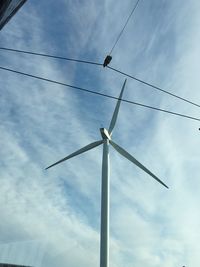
(55, 214)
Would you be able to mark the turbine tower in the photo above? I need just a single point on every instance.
(105, 190)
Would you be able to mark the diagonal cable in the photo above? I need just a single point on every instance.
(50, 56)
(120, 34)
(155, 87)
(99, 94)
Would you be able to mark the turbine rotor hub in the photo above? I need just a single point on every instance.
(105, 134)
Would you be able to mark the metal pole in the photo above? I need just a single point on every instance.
(105, 192)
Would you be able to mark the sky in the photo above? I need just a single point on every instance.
(52, 217)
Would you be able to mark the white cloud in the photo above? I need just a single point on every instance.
(55, 214)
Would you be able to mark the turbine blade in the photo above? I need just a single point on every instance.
(124, 153)
(80, 151)
(116, 111)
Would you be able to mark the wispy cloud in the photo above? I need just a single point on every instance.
(55, 214)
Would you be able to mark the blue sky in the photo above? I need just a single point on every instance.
(51, 218)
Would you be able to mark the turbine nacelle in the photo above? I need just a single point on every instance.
(105, 134)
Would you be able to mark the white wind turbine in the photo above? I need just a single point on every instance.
(105, 190)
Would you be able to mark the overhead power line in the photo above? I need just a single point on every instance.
(120, 34)
(99, 64)
(99, 94)
(50, 56)
(153, 86)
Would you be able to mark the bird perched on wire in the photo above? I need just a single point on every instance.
(107, 60)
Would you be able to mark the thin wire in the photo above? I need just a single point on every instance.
(155, 87)
(120, 34)
(99, 64)
(99, 94)
(50, 56)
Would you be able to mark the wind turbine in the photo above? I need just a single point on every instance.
(105, 187)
